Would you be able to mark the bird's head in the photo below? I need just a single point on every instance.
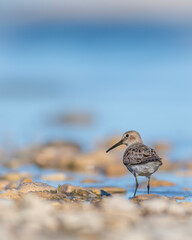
(128, 138)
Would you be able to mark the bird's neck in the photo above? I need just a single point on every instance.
(135, 142)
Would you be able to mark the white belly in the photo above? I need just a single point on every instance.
(144, 169)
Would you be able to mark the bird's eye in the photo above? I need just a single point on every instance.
(127, 135)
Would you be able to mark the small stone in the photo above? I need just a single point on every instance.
(144, 197)
(11, 194)
(161, 183)
(111, 190)
(89, 180)
(67, 188)
(35, 187)
(16, 176)
(54, 177)
(100, 192)
(27, 180)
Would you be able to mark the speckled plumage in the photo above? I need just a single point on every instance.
(139, 153)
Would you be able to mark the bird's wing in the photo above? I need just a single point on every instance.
(140, 154)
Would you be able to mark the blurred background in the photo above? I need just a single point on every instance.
(86, 70)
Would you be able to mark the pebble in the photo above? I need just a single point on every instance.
(35, 186)
(111, 190)
(161, 183)
(14, 176)
(54, 177)
(143, 197)
(44, 215)
(90, 180)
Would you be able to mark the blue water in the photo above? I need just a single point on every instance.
(127, 181)
(126, 76)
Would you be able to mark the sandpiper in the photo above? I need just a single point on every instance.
(139, 159)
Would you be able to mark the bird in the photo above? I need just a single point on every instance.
(139, 159)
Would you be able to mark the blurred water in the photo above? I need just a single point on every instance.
(127, 181)
(127, 76)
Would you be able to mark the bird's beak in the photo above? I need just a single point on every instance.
(116, 145)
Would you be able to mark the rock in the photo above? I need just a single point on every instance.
(111, 190)
(3, 184)
(15, 184)
(50, 196)
(89, 193)
(16, 176)
(161, 183)
(76, 191)
(54, 177)
(177, 209)
(35, 187)
(127, 211)
(26, 180)
(145, 197)
(67, 188)
(56, 155)
(12, 185)
(89, 180)
(11, 194)
(155, 205)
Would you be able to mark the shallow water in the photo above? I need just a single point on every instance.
(127, 181)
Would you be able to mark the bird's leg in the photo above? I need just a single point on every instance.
(136, 186)
(148, 185)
